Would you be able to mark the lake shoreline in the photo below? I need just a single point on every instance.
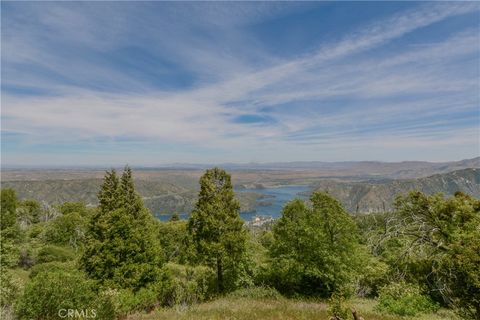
(276, 197)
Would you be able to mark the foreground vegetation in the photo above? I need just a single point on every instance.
(275, 308)
(117, 260)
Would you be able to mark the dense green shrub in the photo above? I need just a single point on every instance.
(404, 299)
(251, 271)
(337, 307)
(172, 237)
(9, 288)
(178, 284)
(122, 302)
(71, 207)
(50, 292)
(66, 230)
(372, 278)
(36, 231)
(106, 307)
(185, 284)
(51, 253)
(144, 299)
(266, 239)
(31, 210)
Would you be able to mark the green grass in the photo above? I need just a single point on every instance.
(21, 275)
(243, 308)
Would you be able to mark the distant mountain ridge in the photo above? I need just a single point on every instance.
(365, 169)
(393, 170)
(379, 195)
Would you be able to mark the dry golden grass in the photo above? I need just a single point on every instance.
(284, 309)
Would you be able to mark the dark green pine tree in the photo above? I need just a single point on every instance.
(216, 229)
(109, 192)
(130, 199)
(121, 248)
(108, 200)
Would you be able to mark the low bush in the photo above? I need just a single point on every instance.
(106, 305)
(54, 253)
(404, 299)
(35, 231)
(177, 284)
(185, 284)
(337, 307)
(172, 237)
(372, 278)
(145, 299)
(9, 289)
(73, 207)
(125, 301)
(50, 293)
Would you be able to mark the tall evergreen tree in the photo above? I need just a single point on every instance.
(109, 192)
(216, 228)
(129, 198)
(121, 248)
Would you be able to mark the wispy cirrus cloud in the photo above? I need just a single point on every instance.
(369, 88)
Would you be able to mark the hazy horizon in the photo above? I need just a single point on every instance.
(194, 166)
(100, 84)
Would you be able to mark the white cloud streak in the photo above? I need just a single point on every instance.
(203, 115)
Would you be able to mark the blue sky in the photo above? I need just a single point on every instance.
(147, 83)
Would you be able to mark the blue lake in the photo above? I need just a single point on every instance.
(273, 199)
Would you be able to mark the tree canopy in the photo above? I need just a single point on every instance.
(315, 248)
(441, 246)
(121, 247)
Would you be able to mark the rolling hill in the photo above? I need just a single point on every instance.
(160, 195)
(370, 196)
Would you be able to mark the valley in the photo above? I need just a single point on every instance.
(362, 187)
